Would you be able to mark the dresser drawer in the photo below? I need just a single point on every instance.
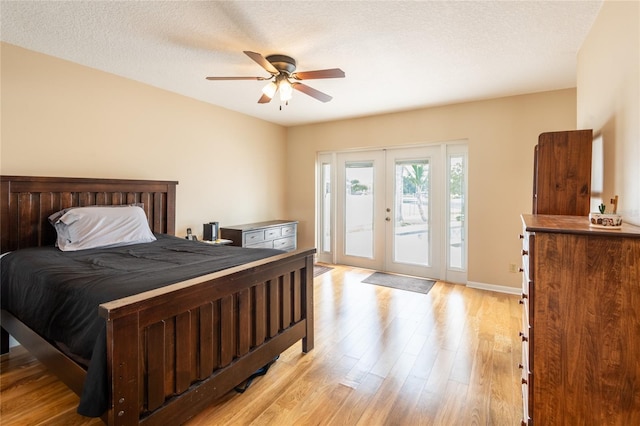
(252, 237)
(261, 244)
(285, 243)
(524, 338)
(524, 300)
(272, 233)
(289, 231)
(526, 420)
(525, 380)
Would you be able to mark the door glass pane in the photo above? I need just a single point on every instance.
(358, 214)
(411, 224)
(326, 207)
(456, 211)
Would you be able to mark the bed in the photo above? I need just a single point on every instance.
(172, 350)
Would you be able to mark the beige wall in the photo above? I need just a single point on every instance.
(60, 118)
(501, 134)
(63, 119)
(609, 99)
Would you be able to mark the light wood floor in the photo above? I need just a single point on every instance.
(382, 357)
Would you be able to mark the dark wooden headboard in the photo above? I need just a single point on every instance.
(27, 201)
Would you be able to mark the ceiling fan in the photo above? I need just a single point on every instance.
(284, 78)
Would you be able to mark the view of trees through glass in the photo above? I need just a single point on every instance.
(412, 206)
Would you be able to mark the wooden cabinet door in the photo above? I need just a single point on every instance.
(562, 173)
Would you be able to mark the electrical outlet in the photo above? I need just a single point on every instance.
(513, 267)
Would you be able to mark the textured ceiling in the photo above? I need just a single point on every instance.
(397, 55)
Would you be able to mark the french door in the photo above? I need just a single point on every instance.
(386, 210)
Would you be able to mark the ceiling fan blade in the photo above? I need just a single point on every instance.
(236, 78)
(329, 73)
(262, 62)
(264, 99)
(322, 97)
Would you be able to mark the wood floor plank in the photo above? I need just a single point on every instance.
(382, 357)
(382, 404)
(357, 402)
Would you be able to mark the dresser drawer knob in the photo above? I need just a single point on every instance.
(521, 236)
(520, 366)
(524, 338)
(525, 252)
(524, 296)
(524, 381)
(520, 269)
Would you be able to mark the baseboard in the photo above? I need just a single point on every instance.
(496, 288)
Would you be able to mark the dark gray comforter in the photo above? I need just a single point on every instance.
(57, 293)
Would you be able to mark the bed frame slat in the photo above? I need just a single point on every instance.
(155, 365)
(206, 341)
(170, 357)
(243, 331)
(285, 301)
(183, 351)
(274, 310)
(227, 330)
(295, 296)
(260, 315)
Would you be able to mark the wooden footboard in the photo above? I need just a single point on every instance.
(173, 350)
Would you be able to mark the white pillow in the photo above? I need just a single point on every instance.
(83, 228)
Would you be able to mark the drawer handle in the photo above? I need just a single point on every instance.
(524, 338)
(521, 236)
(524, 296)
(524, 381)
(520, 269)
(521, 301)
(520, 366)
(525, 252)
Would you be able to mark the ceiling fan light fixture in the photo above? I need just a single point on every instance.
(286, 90)
(282, 69)
(270, 89)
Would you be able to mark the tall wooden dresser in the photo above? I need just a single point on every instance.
(581, 322)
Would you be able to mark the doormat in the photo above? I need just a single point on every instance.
(417, 285)
(319, 270)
